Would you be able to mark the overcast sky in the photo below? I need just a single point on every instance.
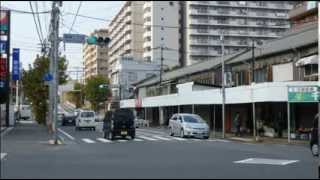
(24, 34)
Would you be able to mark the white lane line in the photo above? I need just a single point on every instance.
(104, 140)
(179, 139)
(122, 140)
(89, 141)
(138, 140)
(66, 134)
(162, 138)
(2, 155)
(263, 161)
(147, 138)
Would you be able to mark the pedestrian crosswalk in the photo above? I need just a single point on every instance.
(143, 135)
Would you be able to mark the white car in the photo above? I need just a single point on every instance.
(188, 125)
(86, 119)
(25, 112)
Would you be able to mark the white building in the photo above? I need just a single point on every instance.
(161, 29)
(241, 21)
(127, 71)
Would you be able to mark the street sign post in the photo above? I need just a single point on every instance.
(74, 38)
(301, 94)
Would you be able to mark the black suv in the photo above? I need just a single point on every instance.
(119, 123)
(314, 138)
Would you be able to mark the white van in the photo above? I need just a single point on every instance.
(86, 119)
(25, 112)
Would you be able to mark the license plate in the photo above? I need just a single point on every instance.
(124, 133)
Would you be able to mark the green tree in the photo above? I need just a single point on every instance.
(35, 88)
(93, 93)
(76, 96)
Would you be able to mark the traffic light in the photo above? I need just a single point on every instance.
(100, 41)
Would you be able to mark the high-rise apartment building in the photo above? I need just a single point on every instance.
(240, 21)
(189, 31)
(126, 32)
(161, 30)
(95, 57)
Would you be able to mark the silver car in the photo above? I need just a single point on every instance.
(188, 125)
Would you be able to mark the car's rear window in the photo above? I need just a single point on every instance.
(87, 114)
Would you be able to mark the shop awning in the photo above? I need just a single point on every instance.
(308, 60)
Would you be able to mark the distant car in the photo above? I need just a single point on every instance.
(69, 119)
(188, 125)
(25, 112)
(86, 119)
(119, 123)
(314, 138)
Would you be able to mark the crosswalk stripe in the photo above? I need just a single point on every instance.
(88, 141)
(122, 140)
(179, 139)
(104, 140)
(148, 138)
(138, 140)
(162, 138)
(3, 155)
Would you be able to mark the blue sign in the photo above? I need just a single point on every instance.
(48, 77)
(16, 64)
(3, 47)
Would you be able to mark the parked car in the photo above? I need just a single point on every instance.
(314, 142)
(188, 125)
(119, 123)
(25, 112)
(86, 119)
(140, 123)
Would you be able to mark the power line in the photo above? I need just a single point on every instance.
(45, 17)
(75, 17)
(35, 21)
(24, 12)
(38, 17)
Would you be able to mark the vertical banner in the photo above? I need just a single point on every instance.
(4, 54)
(16, 64)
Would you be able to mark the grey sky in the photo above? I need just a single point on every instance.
(23, 30)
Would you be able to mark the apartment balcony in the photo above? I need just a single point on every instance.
(205, 43)
(147, 34)
(204, 53)
(147, 44)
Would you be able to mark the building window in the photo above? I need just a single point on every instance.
(148, 75)
(162, 38)
(171, 3)
(132, 77)
(311, 69)
(162, 19)
(162, 9)
(162, 28)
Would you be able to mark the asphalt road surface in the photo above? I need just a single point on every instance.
(25, 153)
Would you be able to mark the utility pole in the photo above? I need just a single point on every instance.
(253, 103)
(54, 70)
(223, 85)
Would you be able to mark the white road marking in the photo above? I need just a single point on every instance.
(179, 139)
(162, 138)
(104, 140)
(218, 140)
(122, 140)
(66, 134)
(138, 140)
(278, 162)
(26, 122)
(2, 155)
(88, 140)
(148, 138)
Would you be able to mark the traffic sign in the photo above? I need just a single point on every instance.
(48, 77)
(74, 38)
(303, 94)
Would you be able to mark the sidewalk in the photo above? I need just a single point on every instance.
(262, 140)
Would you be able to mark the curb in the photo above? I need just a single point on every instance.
(6, 131)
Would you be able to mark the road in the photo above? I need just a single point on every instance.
(154, 154)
